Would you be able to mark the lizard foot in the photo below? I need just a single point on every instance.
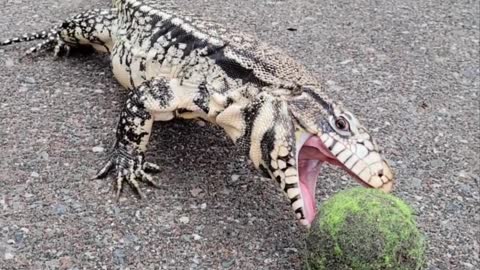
(130, 169)
(59, 47)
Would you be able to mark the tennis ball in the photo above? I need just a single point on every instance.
(364, 229)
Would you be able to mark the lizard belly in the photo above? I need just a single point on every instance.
(119, 68)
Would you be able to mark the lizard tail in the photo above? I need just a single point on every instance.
(29, 37)
(50, 41)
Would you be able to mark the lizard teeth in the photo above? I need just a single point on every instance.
(293, 192)
(291, 180)
(297, 204)
(283, 151)
(291, 172)
(281, 164)
(274, 164)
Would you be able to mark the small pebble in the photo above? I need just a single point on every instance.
(291, 250)
(377, 82)
(9, 62)
(468, 265)
(268, 261)
(29, 80)
(195, 260)
(195, 192)
(8, 256)
(228, 263)
(348, 61)
(416, 182)
(60, 209)
(19, 236)
(44, 155)
(35, 175)
(22, 89)
(184, 220)
(98, 149)
(119, 257)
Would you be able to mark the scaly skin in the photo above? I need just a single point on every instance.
(92, 28)
(182, 66)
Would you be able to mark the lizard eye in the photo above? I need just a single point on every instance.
(342, 124)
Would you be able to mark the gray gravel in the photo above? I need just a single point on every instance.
(409, 68)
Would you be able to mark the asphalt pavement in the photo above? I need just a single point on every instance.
(409, 69)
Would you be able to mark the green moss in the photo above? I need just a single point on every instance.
(365, 229)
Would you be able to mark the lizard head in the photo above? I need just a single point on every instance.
(326, 133)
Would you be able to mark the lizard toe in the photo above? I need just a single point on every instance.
(133, 182)
(148, 179)
(130, 169)
(103, 172)
(151, 167)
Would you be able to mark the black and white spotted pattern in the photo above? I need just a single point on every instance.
(182, 65)
(92, 28)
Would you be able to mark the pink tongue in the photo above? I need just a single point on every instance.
(309, 171)
(310, 158)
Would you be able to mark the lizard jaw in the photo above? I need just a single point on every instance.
(311, 154)
(309, 163)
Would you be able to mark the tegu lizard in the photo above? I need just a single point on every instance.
(178, 65)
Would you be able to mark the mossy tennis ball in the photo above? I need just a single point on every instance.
(364, 229)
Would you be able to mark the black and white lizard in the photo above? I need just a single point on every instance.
(185, 66)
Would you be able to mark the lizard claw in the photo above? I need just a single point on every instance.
(130, 169)
(151, 167)
(103, 172)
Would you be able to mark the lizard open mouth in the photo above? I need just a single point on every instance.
(312, 153)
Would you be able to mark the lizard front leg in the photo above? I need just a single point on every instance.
(265, 130)
(152, 100)
(91, 28)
